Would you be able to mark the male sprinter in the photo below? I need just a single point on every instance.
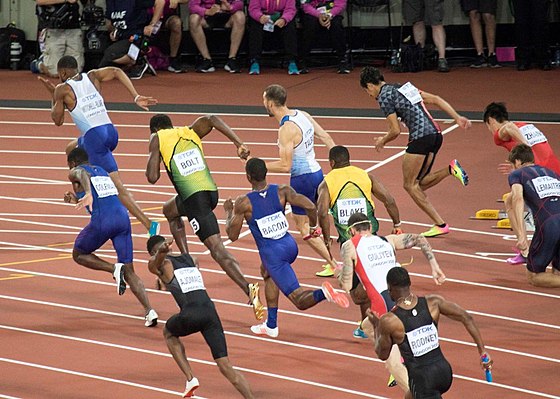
(96, 192)
(180, 149)
(346, 190)
(296, 142)
(413, 325)
(80, 94)
(197, 313)
(425, 138)
(263, 209)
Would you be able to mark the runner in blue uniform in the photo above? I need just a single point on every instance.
(539, 188)
(413, 325)
(263, 209)
(79, 93)
(197, 313)
(95, 191)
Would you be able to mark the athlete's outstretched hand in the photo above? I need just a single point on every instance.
(505, 168)
(70, 198)
(228, 205)
(47, 83)
(145, 102)
(379, 144)
(165, 248)
(438, 276)
(243, 152)
(85, 201)
(373, 318)
(463, 122)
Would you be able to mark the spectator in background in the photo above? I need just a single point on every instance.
(325, 16)
(61, 21)
(531, 24)
(269, 16)
(487, 9)
(420, 13)
(126, 18)
(217, 14)
(165, 13)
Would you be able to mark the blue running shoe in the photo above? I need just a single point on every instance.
(456, 170)
(255, 68)
(359, 333)
(154, 229)
(292, 68)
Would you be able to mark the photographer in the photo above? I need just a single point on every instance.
(126, 19)
(63, 36)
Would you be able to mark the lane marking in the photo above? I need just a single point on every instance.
(25, 262)
(16, 276)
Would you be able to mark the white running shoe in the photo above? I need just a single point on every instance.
(190, 387)
(151, 318)
(263, 329)
(118, 275)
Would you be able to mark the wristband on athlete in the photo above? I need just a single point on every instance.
(313, 233)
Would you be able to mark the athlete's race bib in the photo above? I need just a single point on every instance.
(104, 186)
(274, 226)
(376, 257)
(189, 279)
(189, 162)
(411, 93)
(532, 135)
(347, 207)
(423, 340)
(91, 105)
(308, 140)
(546, 186)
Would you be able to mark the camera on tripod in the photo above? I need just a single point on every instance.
(93, 18)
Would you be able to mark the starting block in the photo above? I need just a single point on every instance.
(490, 214)
(503, 199)
(503, 224)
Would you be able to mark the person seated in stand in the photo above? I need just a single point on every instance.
(217, 14)
(324, 17)
(165, 13)
(272, 16)
(126, 19)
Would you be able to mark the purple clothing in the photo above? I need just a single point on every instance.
(258, 8)
(200, 6)
(310, 7)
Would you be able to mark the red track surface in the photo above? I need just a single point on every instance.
(69, 319)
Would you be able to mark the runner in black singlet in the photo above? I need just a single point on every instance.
(198, 314)
(412, 325)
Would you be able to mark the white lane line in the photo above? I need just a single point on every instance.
(91, 376)
(253, 337)
(194, 360)
(7, 397)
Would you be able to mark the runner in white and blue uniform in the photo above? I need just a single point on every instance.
(80, 94)
(296, 142)
(197, 313)
(263, 209)
(94, 190)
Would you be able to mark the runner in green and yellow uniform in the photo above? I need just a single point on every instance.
(180, 149)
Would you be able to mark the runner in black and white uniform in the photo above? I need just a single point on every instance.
(198, 314)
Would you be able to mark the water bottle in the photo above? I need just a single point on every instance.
(15, 55)
(487, 371)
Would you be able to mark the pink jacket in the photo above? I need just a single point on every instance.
(310, 7)
(258, 8)
(200, 6)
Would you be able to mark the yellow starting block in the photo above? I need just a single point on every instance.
(503, 224)
(490, 214)
(503, 199)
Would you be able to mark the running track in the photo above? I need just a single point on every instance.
(66, 334)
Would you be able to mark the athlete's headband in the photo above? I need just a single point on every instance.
(357, 223)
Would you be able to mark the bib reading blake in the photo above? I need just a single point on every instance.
(274, 226)
(347, 207)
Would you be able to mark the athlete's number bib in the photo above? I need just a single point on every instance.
(532, 135)
(189, 162)
(423, 340)
(546, 186)
(411, 93)
(189, 279)
(309, 140)
(104, 186)
(91, 105)
(347, 207)
(274, 226)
